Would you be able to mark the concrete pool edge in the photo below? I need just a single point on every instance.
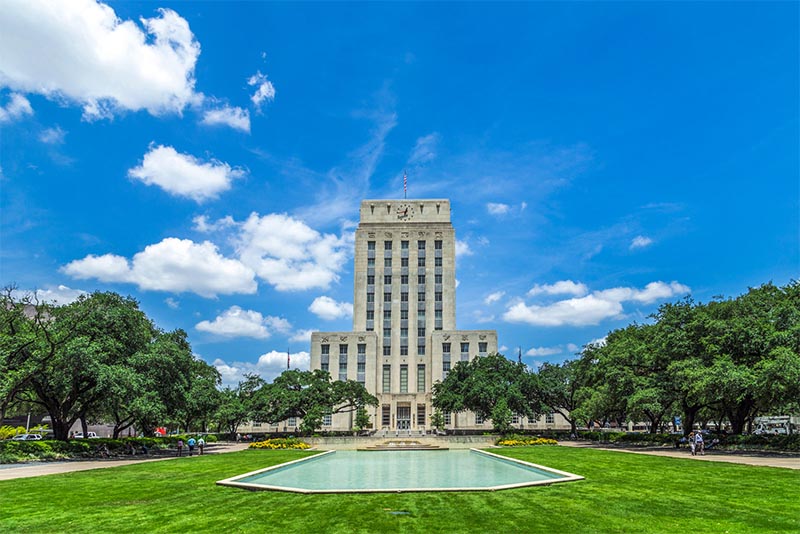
(235, 481)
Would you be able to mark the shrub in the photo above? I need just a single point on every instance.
(280, 443)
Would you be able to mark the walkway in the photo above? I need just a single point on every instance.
(763, 460)
(52, 468)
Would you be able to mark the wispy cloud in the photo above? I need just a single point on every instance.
(640, 242)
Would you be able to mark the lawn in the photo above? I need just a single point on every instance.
(622, 493)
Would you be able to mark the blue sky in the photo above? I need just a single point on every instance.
(208, 159)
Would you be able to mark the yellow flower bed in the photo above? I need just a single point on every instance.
(280, 443)
(517, 441)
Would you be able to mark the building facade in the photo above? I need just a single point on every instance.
(404, 335)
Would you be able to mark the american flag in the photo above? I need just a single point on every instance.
(405, 184)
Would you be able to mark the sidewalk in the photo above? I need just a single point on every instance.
(765, 460)
(70, 466)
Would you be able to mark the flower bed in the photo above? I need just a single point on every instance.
(524, 441)
(280, 443)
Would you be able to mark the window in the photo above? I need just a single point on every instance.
(387, 331)
(421, 378)
(387, 262)
(404, 314)
(387, 314)
(370, 279)
(387, 297)
(437, 314)
(326, 419)
(362, 349)
(370, 297)
(387, 245)
(324, 366)
(550, 418)
(387, 378)
(448, 419)
(437, 261)
(438, 296)
(437, 244)
(445, 369)
(421, 261)
(437, 279)
(482, 347)
(403, 350)
(370, 245)
(325, 349)
(404, 279)
(343, 371)
(404, 245)
(387, 350)
(420, 415)
(465, 348)
(403, 262)
(362, 367)
(515, 418)
(404, 332)
(404, 297)
(292, 422)
(421, 332)
(370, 315)
(421, 349)
(421, 245)
(370, 262)
(404, 378)
(387, 280)
(386, 415)
(421, 279)
(478, 419)
(421, 297)
(446, 348)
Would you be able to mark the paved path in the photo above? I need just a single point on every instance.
(52, 468)
(764, 460)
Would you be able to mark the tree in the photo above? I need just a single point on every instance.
(559, 387)
(491, 386)
(237, 404)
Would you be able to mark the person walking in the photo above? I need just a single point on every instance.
(699, 444)
(180, 447)
(692, 442)
(201, 443)
(191, 443)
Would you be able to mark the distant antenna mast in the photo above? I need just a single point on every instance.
(405, 185)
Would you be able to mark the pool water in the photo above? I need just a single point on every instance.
(352, 471)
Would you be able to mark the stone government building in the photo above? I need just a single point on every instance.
(404, 334)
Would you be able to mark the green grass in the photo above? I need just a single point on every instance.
(622, 493)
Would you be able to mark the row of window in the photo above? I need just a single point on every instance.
(387, 262)
(549, 418)
(387, 296)
(387, 378)
(387, 245)
(387, 279)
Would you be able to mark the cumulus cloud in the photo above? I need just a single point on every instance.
(234, 117)
(328, 309)
(178, 265)
(58, 295)
(289, 254)
(301, 336)
(52, 136)
(202, 224)
(593, 308)
(265, 91)
(236, 322)
(562, 287)
(87, 55)
(493, 297)
(640, 241)
(268, 366)
(462, 248)
(184, 175)
(17, 107)
(497, 209)
(544, 351)
(424, 150)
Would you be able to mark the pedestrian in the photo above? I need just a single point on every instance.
(191, 443)
(692, 442)
(180, 447)
(698, 438)
(201, 443)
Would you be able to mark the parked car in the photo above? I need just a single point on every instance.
(90, 435)
(27, 437)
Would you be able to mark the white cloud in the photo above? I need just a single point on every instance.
(202, 225)
(18, 106)
(573, 348)
(172, 303)
(328, 309)
(497, 209)
(462, 248)
(424, 150)
(640, 241)
(600, 342)
(544, 351)
(590, 309)
(178, 265)
(265, 91)
(301, 336)
(86, 55)
(184, 175)
(52, 136)
(234, 117)
(493, 297)
(290, 255)
(563, 287)
(268, 366)
(236, 322)
(59, 295)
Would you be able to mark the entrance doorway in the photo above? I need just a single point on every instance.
(404, 417)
